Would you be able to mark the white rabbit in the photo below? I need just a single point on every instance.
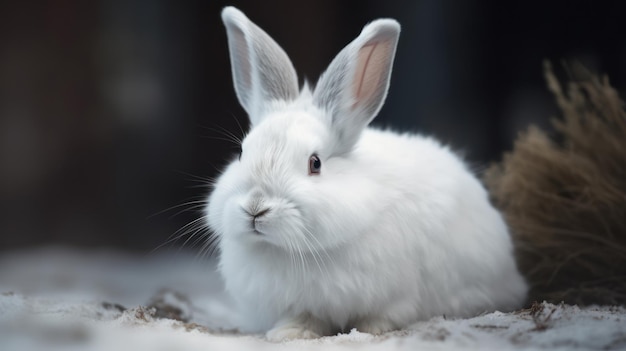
(325, 224)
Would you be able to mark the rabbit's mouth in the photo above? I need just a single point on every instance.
(276, 221)
(256, 230)
(265, 223)
(257, 217)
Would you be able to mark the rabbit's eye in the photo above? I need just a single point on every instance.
(315, 165)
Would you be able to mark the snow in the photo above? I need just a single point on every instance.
(68, 299)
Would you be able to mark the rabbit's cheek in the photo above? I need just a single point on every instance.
(270, 224)
(234, 221)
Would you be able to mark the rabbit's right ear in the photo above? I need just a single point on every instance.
(262, 71)
(354, 87)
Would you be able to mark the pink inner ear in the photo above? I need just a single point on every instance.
(371, 67)
(241, 58)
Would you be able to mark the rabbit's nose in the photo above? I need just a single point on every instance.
(260, 212)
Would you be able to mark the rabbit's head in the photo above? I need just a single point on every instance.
(296, 183)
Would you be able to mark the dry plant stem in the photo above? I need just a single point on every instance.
(565, 200)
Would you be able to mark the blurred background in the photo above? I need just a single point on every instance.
(110, 109)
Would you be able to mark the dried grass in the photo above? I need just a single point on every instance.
(565, 197)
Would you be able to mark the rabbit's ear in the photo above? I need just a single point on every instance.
(354, 87)
(262, 71)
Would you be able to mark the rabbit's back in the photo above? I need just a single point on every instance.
(440, 215)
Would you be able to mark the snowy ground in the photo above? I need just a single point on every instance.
(83, 300)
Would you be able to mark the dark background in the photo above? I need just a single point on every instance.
(109, 109)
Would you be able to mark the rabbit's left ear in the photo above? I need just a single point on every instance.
(354, 87)
(262, 71)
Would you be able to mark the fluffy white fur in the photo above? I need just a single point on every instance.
(393, 230)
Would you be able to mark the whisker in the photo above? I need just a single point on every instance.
(243, 133)
(292, 257)
(209, 179)
(195, 232)
(234, 141)
(184, 230)
(201, 205)
(226, 135)
(209, 246)
(203, 233)
(200, 186)
(177, 206)
(315, 251)
(302, 259)
(315, 254)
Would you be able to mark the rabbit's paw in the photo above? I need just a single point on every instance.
(290, 332)
(304, 326)
(374, 326)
